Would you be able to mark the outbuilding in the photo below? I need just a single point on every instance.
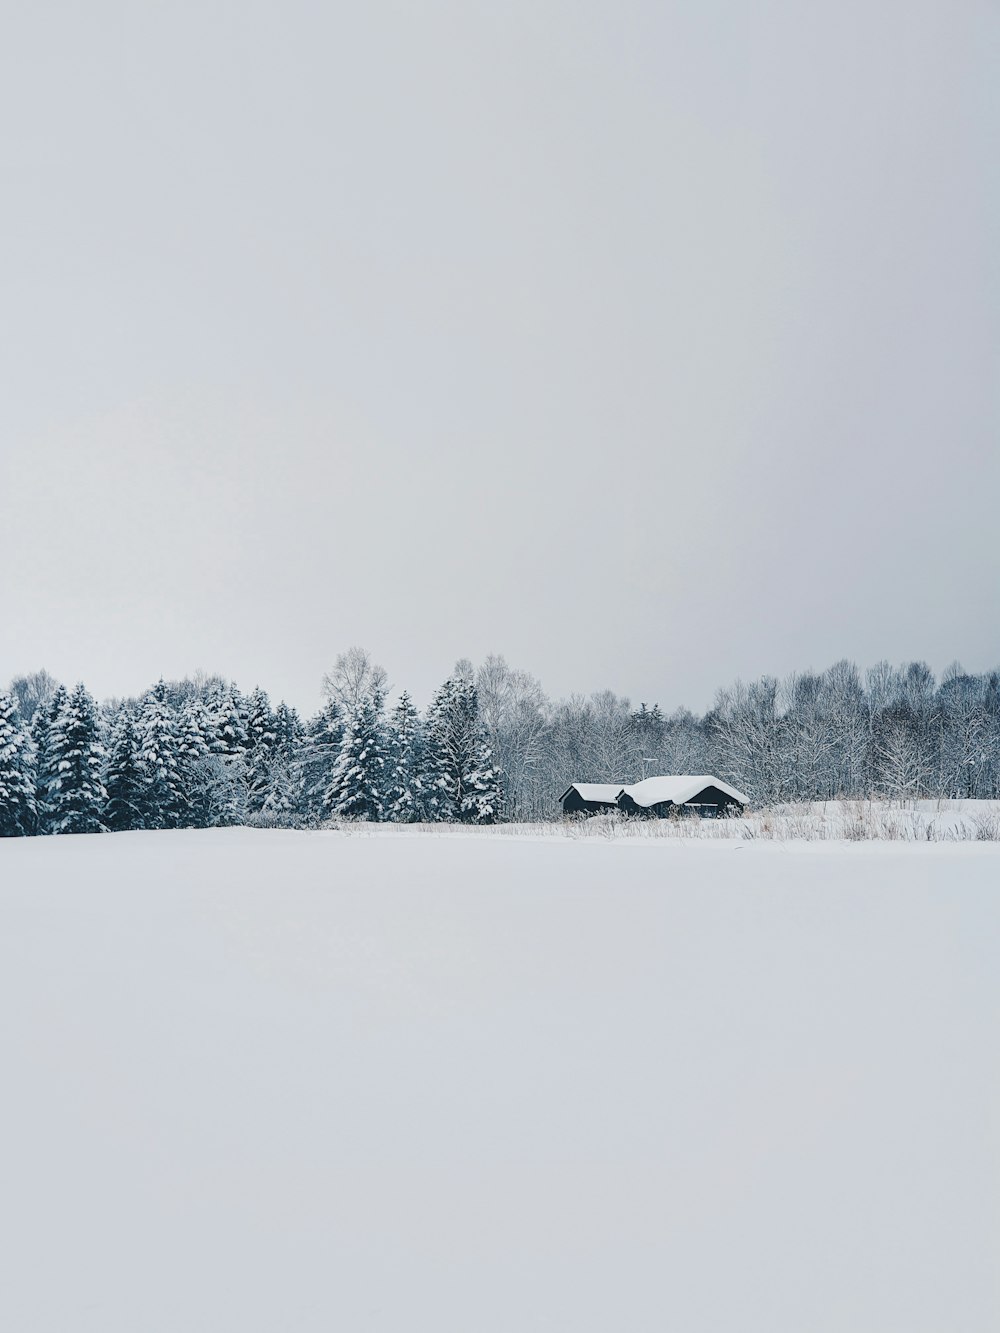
(702, 794)
(591, 798)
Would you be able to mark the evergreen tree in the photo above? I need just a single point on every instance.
(316, 757)
(195, 732)
(283, 791)
(463, 785)
(223, 775)
(196, 738)
(45, 775)
(17, 773)
(76, 794)
(260, 753)
(260, 725)
(126, 781)
(406, 779)
(164, 803)
(356, 784)
(231, 716)
(288, 733)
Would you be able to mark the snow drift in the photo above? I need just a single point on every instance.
(263, 1080)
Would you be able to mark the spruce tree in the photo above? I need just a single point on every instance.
(76, 794)
(224, 772)
(260, 753)
(41, 733)
(260, 725)
(288, 733)
(356, 784)
(195, 732)
(196, 736)
(231, 716)
(282, 795)
(463, 784)
(316, 756)
(406, 780)
(164, 803)
(126, 781)
(17, 773)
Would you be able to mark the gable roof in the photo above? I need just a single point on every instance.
(607, 792)
(678, 787)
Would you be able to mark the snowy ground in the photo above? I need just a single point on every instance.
(301, 1082)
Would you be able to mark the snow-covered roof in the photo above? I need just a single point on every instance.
(596, 791)
(678, 787)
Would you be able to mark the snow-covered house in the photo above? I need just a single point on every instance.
(590, 798)
(702, 794)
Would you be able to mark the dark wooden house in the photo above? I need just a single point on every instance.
(591, 798)
(701, 794)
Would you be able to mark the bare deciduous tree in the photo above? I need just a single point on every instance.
(32, 692)
(354, 678)
(513, 708)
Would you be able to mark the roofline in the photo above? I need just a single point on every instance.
(626, 789)
(574, 786)
(738, 797)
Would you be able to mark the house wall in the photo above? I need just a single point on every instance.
(574, 804)
(629, 807)
(713, 796)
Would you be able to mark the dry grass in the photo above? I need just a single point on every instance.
(835, 821)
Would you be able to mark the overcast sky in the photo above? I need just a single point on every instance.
(649, 343)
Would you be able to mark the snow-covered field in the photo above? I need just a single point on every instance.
(257, 1080)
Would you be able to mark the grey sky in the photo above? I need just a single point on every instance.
(650, 344)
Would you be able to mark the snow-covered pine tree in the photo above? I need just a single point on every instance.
(441, 803)
(261, 738)
(260, 721)
(41, 734)
(76, 794)
(283, 793)
(316, 757)
(288, 733)
(231, 714)
(195, 732)
(463, 785)
(224, 773)
(17, 773)
(356, 784)
(196, 736)
(406, 776)
(164, 803)
(125, 780)
(481, 797)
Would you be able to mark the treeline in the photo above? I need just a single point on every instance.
(195, 754)
(490, 746)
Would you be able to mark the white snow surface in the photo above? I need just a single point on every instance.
(260, 1080)
(678, 787)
